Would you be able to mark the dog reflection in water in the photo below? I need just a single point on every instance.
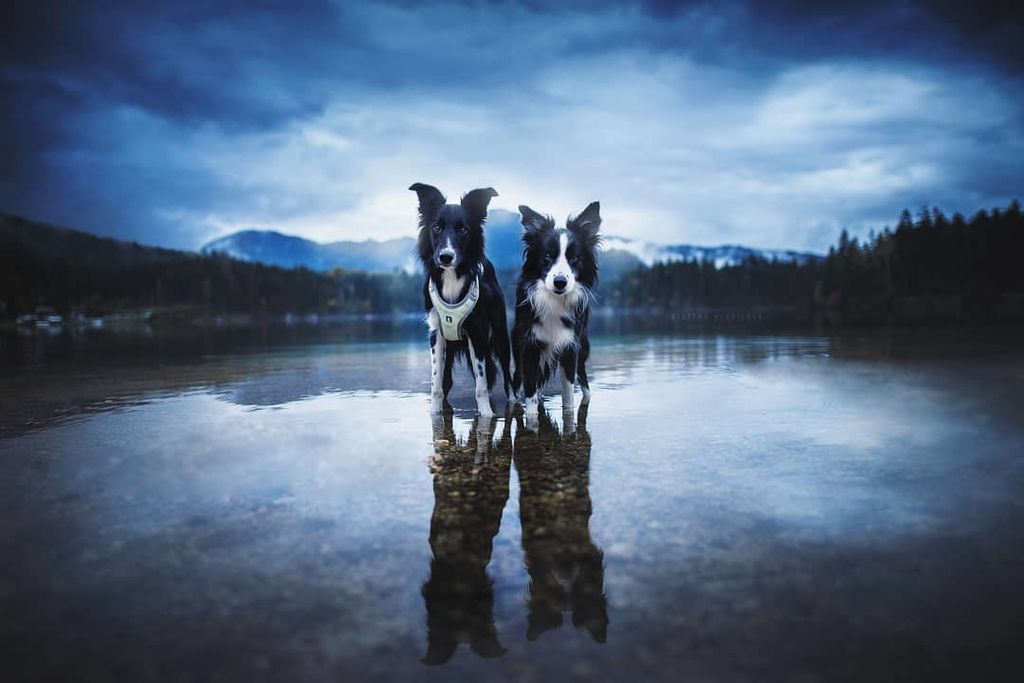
(470, 492)
(566, 569)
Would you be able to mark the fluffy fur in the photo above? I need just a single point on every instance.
(451, 250)
(553, 303)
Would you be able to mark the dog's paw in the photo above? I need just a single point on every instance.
(530, 406)
(568, 422)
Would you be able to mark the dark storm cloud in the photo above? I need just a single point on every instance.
(769, 124)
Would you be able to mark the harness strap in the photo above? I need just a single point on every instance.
(451, 316)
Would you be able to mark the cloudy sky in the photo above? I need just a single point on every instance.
(698, 122)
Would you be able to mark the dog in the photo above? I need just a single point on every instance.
(553, 303)
(464, 303)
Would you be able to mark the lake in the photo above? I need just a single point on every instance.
(734, 504)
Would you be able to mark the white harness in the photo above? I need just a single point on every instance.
(451, 316)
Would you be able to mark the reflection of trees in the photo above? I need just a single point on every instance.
(566, 569)
(470, 492)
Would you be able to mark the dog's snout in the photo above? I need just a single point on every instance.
(560, 282)
(446, 258)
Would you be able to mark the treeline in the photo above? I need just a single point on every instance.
(931, 266)
(70, 270)
(928, 268)
(694, 285)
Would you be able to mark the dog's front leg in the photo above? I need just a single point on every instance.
(483, 430)
(531, 376)
(483, 394)
(438, 348)
(581, 369)
(568, 363)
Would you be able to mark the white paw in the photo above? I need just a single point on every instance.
(567, 399)
(530, 406)
(568, 421)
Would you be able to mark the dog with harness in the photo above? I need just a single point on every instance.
(463, 300)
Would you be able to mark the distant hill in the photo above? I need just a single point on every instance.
(503, 248)
(724, 255)
(288, 251)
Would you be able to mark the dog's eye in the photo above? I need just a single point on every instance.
(573, 260)
(437, 227)
(463, 229)
(548, 257)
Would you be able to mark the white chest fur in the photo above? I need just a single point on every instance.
(451, 285)
(552, 311)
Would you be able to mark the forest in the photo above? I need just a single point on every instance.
(70, 271)
(928, 267)
(931, 267)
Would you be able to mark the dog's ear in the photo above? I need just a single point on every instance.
(431, 201)
(587, 223)
(534, 223)
(475, 202)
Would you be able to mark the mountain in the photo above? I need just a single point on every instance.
(650, 253)
(289, 251)
(503, 248)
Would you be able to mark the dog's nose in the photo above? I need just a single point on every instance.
(560, 282)
(446, 259)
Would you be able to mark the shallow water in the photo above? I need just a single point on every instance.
(730, 506)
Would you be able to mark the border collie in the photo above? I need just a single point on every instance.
(552, 303)
(464, 304)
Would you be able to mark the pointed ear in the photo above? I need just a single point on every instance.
(534, 223)
(431, 201)
(587, 223)
(475, 203)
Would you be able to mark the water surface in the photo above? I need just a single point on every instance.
(731, 506)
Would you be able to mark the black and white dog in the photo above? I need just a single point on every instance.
(552, 303)
(464, 304)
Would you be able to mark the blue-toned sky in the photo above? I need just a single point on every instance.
(772, 125)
